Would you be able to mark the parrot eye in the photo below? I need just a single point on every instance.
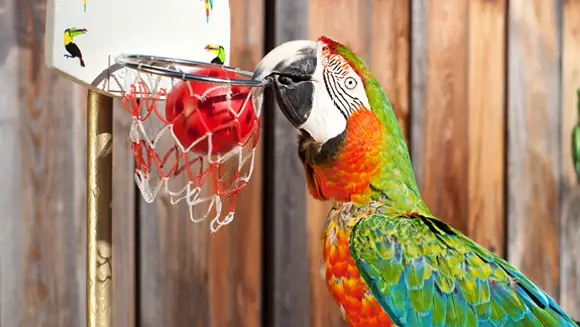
(350, 83)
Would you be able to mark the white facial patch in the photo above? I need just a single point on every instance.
(325, 121)
(338, 92)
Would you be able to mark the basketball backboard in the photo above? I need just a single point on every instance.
(84, 37)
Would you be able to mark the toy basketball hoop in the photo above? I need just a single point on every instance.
(195, 124)
(194, 132)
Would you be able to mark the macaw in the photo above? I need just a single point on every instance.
(389, 261)
(576, 141)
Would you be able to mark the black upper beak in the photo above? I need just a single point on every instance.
(294, 96)
(291, 72)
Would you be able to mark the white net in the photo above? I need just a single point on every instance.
(194, 141)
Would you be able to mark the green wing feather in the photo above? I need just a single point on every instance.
(425, 273)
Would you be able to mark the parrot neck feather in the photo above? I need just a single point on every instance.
(363, 164)
(395, 183)
(370, 161)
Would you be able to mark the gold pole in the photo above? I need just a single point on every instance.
(99, 225)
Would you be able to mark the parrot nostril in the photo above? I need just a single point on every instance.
(285, 80)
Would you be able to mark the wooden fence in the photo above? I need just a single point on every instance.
(484, 89)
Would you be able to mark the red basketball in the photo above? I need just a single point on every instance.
(193, 117)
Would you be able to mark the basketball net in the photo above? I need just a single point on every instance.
(209, 183)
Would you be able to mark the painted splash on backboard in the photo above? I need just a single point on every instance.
(70, 46)
(208, 8)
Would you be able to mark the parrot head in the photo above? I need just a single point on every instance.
(350, 142)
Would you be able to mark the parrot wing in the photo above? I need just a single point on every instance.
(425, 273)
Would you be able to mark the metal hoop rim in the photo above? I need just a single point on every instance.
(137, 62)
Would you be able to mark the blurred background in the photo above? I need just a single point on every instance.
(485, 91)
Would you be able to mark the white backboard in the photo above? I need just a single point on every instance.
(168, 28)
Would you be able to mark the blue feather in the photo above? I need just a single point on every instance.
(454, 283)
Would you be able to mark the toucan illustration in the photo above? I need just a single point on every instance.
(70, 46)
(220, 51)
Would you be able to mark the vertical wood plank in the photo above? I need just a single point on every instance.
(173, 266)
(533, 140)
(150, 268)
(123, 220)
(188, 276)
(389, 54)
(286, 279)
(570, 188)
(419, 56)
(53, 195)
(441, 153)
(235, 251)
(486, 102)
(11, 255)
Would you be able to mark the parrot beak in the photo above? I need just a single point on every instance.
(212, 48)
(290, 67)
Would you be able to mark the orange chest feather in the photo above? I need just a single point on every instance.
(348, 288)
(358, 159)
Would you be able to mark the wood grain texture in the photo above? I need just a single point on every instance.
(534, 141)
(570, 188)
(389, 53)
(52, 184)
(443, 125)
(190, 277)
(11, 254)
(419, 57)
(486, 111)
(286, 302)
(123, 220)
(235, 251)
(174, 275)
